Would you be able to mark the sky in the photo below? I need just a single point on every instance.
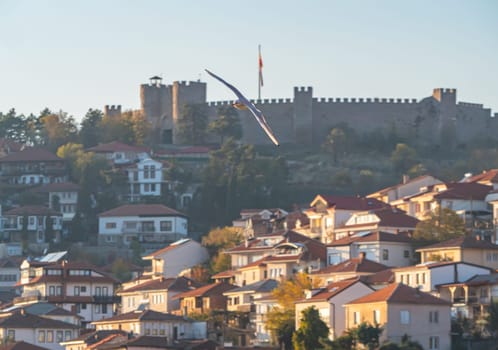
(74, 55)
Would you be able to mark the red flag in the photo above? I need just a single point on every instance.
(260, 60)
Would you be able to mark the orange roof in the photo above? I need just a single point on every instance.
(399, 293)
(31, 155)
(352, 265)
(141, 210)
(206, 291)
(116, 146)
(331, 290)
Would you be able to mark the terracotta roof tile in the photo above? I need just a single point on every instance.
(353, 265)
(399, 293)
(376, 236)
(116, 146)
(31, 155)
(141, 210)
(32, 210)
(464, 190)
(486, 176)
(177, 284)
(57, 187)
(168, 248)
(463, 243)
(208, 290)
(353, 203)
(21, 345)
(146, 315)
(27, 320)
(331, 290)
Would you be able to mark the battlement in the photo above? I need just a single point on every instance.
(154, 86)
(112, 109)
(365, 100)
(495, 115)
(468, 104)
(303, 89)
(258, 102)
(188, 83)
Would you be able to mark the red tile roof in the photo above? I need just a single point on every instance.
(11, 145)
(387, 189)
(31, 155)
(206, 291)
(145, 315)
(398, 293)
(376, 236)
(463, 243)
(353, 265)
(21, 345)
(353, 203)
(224, 274)
(20, 319)
(464, 190)
(32, 210)
(116, 146)
(331, 290)
(382, 277)
(395, 218)
(168, 248)
(141, 210)
(486, 176)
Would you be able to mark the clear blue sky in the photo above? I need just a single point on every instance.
(75, 55)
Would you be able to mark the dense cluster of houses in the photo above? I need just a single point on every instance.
(359, 252)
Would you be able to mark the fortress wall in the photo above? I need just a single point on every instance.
(473, 121)
(185, 92)
(156, 103)
(363, 116)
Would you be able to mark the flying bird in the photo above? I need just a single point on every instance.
(244, 104)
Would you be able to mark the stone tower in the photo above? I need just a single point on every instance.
(447, 112)
(303, 115)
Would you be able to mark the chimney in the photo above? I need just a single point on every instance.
(406, 178)
(23, 312)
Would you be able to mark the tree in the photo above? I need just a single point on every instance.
(192, 124)
(218, 240)
(335, 142)
(311, 330)
(90, 128)
(368, 335)
(58, 129)
(403, 157)
(492, 318)
(13, 126)
(441, 225)
(227, 124)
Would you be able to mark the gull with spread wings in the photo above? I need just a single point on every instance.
(244, 104)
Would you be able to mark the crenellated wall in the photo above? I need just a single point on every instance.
(112, 110)
(305, 119)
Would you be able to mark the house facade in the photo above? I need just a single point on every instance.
(402, 310)
(146, 178)
(153, 225)
(204, 299)
(119, 153)
(61, 197)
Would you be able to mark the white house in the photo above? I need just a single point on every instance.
(177, 257)
(120, 153)
(145, 178)
(155, 224)
(61, 197)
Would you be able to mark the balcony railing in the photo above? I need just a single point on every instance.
(106, 299)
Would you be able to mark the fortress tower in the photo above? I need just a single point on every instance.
(112, 111)
(447, 115)
(303, 115)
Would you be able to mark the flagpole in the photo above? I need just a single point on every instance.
(259, 72)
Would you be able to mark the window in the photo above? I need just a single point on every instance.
(404, 317)
(105, 291)
(51, 290)
(152, 171)
(76, 290)
(31, 220)
(385, 254)
(166, 225)
(406, 253)
(376, 316)
(50, 336)
(41, 336)
(434, 342)
(433, 316)
(104, 308)
(11, 334)
(110, 225)
(356, 317)
(417, 279)
(152, 187)
(67, 335)
(58, 290)
(146, 171)
(97, 291)
(59, 336)
(97, 309)
(423, 278)
(148, 226)
(83, 289)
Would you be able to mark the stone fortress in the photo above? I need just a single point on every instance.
(307, 120)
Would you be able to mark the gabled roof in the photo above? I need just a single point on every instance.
(375, 236)
(31, 155)
(32, 210)
(21, 319)
(357, 265)
(465, 242)
(464, 190)
(387, 189)
(96, 336)
(164, 284)
(145, 315)
(264, 286)
(382, 277)
(435, 264)
(477, 280)
(10, 145)
(116, 146)
(57, 187)
(21, 345)
(172, 246)
(351, 202)
(331, 290)
(145, 210)
(207, 291)
(398, 293)
(489, 176)
(395, 218)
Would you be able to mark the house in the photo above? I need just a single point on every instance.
(8, 146)
(34, 225)
(330, 300)
(487, 177)
(93, 339)
(75, 286)
(407, 188)
(428, 276)
(32, 166)
(242, 298)
(47, 310)
(155, 294)
(259, 320)
(401, 311)
(390, 220)
(120, 153)
(146, 178)
(352, 268)
(10, 273)
(468, 199)
(21, 345)
(466, 249)
(152, 225)
(61, 197)
(177, 257)
(472, 298)
(204, 299)
(379, 246)
(256, 222)
(326, 213)
(36, 330)
(149, 322)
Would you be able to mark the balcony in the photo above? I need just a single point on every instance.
(106, 299)
(246, 308)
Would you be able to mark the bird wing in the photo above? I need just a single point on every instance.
(260, 118)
